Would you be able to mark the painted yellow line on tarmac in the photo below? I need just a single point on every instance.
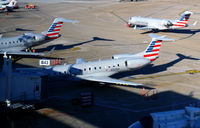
(170, 74)
(74, 49)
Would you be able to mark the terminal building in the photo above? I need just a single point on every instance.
(18, 87)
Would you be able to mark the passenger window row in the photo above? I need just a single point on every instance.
(95, 68)
(11, 42)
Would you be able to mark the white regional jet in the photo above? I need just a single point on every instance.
(7, 5)
(159, 24)
(100, 71)
(19, 44)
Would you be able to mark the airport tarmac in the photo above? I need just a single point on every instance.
(101, 33)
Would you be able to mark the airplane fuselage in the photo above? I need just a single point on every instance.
(160, 24)
(20, 43)
(98, 68)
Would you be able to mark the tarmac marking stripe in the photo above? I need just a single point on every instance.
(170, 74)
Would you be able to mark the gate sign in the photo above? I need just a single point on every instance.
(44, 62)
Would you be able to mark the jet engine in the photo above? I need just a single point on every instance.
(119, 56)
(167, 23)
(35, 37)
(136, 63)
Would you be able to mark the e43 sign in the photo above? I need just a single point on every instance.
(44, 62)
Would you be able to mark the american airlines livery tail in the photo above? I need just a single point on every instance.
(101, 71)
(153, 49)
(184, 19)
(55, 28)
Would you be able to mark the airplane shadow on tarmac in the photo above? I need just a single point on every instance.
(179, 31)
(65, 47)
(151, 69)
(111, 105)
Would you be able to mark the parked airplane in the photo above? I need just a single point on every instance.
(8, 5)
(18, 45)
(159, 24)
(100, 71)
(4, 2)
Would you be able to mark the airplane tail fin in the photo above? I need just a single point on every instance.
(185, 17)
(55, 28)
(12, 4)
(152, 51)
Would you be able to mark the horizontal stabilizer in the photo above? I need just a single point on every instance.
(194, 24)
(156, 37)
(72, 21)
(59, 19)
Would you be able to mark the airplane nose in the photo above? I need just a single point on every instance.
(128, 25)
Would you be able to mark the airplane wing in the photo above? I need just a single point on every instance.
(27, 53)
(104, 79)
(24, 53)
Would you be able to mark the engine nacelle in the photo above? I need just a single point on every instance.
(137, 63)
(119, 56)
(39, 37)
(35, 37)
(167, 23)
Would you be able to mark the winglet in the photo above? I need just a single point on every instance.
(1, 35)
(50, 52)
